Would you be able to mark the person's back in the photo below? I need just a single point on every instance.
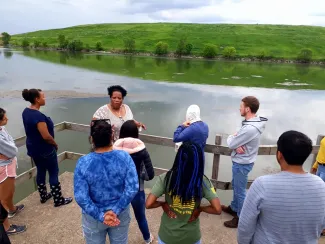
(35, 143)
(292, 208)
(184, 185)
(288, 207)
(105, 182)
(193, 129)
(113, 168)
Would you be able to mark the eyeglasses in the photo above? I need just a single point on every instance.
(96, 121)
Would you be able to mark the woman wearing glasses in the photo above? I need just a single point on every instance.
(105, 182)
(116, 111)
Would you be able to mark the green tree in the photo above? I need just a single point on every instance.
(188, 48)
(25, 43)
(210, 51)
(75, 46)
(37, 44)
(180, 49)
(5, 37)
(161, 48)
(183, 47)
(99, 46)
(305, 55)
(87, 48)
(129, 45)
(44, 45)
(229, 52)
(261, 54)
(63, 42)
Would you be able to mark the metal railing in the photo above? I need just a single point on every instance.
(217, 149)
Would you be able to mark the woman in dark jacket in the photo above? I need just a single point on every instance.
(130, 143)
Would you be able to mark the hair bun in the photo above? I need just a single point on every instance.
(25, 95)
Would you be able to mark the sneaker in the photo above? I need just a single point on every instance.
(150, 241)
(16, 229)
(19, 208)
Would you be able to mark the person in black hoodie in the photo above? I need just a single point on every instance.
(129, 141)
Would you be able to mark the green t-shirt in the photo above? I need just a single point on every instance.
(179, 231)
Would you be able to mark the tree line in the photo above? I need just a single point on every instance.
(183, 48)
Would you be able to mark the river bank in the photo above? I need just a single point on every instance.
(172, 55)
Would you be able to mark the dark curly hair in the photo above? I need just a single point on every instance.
(118, 88)
(2, 113)
(101, 132)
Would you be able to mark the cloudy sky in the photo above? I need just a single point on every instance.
(17, 16)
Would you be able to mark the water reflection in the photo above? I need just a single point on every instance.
(191, 70)
(8, 54)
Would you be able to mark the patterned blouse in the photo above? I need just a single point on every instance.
(105, 113)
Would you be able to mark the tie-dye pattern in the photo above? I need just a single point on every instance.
(105, 181)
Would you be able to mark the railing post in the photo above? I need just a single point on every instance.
(216, 159)
(319, 138)
(34, 178)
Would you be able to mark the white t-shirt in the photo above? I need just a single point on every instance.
(105, 113)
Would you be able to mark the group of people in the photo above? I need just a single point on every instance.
(287, 207)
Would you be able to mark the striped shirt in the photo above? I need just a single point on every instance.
(283, 208)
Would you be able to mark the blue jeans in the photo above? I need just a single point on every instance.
(96, 232)
(239, 182)
(138, 205)
(321, 171)
(161, 242)
(48, 163)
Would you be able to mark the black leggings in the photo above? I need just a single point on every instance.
(3, 234)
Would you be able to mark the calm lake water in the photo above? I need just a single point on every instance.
(160, 90)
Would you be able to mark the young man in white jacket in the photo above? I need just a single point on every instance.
(245, 144)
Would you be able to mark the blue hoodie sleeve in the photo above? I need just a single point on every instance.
(244, 135)
(183, 133)
(81, 194)
(131, 186)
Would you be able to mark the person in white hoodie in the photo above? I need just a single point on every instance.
(129, 141)
(245, 144)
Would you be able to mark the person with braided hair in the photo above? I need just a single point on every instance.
(184, 186)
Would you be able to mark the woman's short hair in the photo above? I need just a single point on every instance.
(129, 129)
(118, 88)
(101, 133)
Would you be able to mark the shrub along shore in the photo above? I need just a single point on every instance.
(270, 43)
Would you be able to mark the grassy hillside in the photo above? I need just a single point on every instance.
(276, 40)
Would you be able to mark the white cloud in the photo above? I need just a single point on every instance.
(27, 15)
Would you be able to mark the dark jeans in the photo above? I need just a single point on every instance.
(138, 205)
(47, 163)
(3, 234)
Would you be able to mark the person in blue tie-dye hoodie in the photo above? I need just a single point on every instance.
(105, 183)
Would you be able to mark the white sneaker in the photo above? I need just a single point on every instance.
(150, 241)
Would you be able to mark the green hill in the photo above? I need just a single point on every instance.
(280, 41)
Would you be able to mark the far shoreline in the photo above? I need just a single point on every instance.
(173, 56)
